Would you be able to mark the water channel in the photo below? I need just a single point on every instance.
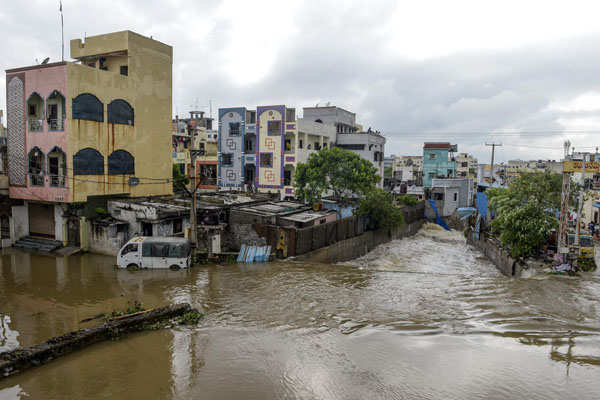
(422, 318)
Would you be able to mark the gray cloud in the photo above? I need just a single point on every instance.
(340, 53)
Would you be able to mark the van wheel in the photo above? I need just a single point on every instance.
(133, 267)
(174, 267)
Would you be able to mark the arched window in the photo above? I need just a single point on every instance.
(55, 111)
(86, 106)
(121, 162)
(120, 112)
(88, 161)
(57, 167)
(35, 112)
(36, 167)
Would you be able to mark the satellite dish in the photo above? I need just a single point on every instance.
(46, 60)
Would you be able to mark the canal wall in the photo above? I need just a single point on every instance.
(360, 245)
(496, 254)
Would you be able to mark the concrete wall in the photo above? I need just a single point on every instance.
(231, 175)
(358, 246)
(497, 255)
(19, 222)
(105, 239)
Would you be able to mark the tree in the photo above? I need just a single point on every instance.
(525, 211)
(388, 172)
(179, 180)
(378, 205)
(342, 172)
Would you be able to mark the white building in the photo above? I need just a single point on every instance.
(368, 145)
(466, 166)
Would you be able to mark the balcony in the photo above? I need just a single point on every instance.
(56, 125)
(57, 180)
(35, 125)
(36, 180)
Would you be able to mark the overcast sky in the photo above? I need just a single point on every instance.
(524, 73)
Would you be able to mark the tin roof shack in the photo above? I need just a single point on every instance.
(106, 235)
(308, 218)
(152, 217)
(251, 224)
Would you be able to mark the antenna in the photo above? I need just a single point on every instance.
(46, 60)
(62, 32)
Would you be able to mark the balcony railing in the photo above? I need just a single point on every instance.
(56, 125)
(36, 125)
(57, 180)
(36, 180)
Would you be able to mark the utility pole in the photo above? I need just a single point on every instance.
(194, 219)
(62, 32)
(492, 165)
(580, 199)
(563, 249)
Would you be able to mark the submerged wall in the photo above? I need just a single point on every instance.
(497, 255)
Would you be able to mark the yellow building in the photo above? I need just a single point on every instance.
(93, 127)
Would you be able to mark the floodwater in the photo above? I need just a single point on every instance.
(421, 318)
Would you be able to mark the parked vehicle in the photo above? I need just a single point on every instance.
(586, 246)
(155, 252)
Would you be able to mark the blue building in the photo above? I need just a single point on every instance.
(236, 147)
(438, 161)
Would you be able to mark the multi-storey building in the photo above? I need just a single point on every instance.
(370, 145)
(438, 161)
(264, 149)
(94, 127)
(466, 166)
(191, 134)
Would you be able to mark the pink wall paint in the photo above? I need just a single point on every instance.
(44, 81)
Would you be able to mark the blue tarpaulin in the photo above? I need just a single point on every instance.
(438, 219)
(481, 201)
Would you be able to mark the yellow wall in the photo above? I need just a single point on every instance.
(148, 89)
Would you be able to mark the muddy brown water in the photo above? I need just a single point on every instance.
(421, 318)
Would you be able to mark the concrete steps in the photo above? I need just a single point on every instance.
(37, 244)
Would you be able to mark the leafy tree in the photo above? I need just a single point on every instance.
(179, 180)
(407, 200)
(524, 228)
(525, 211)
(342, 172)
(378, 205)
(388, 172)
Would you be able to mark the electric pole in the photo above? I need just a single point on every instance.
(492, 165)
(195, 185)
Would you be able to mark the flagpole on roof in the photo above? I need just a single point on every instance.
(62, 32)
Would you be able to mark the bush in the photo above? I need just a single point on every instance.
(407, 200)
(378, 205)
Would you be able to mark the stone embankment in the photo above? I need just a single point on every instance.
(17, 361)
(496, 254)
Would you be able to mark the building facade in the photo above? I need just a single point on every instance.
(466, 166)
(438, 161)
(368, 145)
(94, 127)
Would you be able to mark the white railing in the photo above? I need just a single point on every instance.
(57, 180)
(36, 180)
(56, 125)
(36, 125)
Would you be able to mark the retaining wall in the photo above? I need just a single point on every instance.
(360, 245)
(497, 255)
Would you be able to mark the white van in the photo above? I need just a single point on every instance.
(155, 252)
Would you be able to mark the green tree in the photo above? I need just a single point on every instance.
(378, 205)
(388, 172)
(342, 172)
(525, 211)
(179, 180)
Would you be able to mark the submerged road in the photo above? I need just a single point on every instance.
(424, 317)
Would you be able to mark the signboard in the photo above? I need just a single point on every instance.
(577, 166)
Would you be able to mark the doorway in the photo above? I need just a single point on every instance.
(146, 229)
(41, 220)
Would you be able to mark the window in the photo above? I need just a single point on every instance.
(32, 109)
(88, 161)
(36, 167)
(103, 64)
(121, 162)
(120, 112)
(300, 145)
(248, 144)
(317, 146)
(325, 145)
(287, 178)
(177, 225)
(227, 159)
(288, 144)
(438, 196)
(351, 146)
(274, 127)
(455, 196)
(266, 160)
(251, 117)
(234, 128)
(130, 248)
(464, 164)
(86, 106)
(124, 70)
(431, 156)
